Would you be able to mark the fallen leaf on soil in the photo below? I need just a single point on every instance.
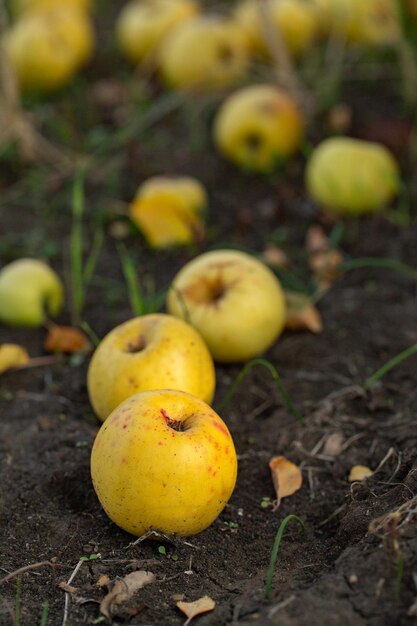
(12, 355)
(359, 472)
(301, 313)
(325, 266)
(333, 445)
(123, 589)
(192, 609)
(275, 257)
(65, 339)
(67, 588)
(103, 581)
(316, 240)
(286, 476)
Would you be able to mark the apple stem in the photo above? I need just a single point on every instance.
(177, 425)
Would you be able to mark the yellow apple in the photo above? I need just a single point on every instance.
(233, 300)
(202, 54)
(29, 290)
(297, 21)
(258, 127)
(150, 352)
(47, 48)
(351, 177)
(164, 461)
(169, 211)
(373, 22)
(143, 24)
(24, 6)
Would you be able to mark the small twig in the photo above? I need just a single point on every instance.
(67, 595)
(28, 568)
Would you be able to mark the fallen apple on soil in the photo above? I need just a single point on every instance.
(202, 54)
(296, 20)
(258, 127)
(351, 177)
(233, 300)
(169, 210)
(150, 352)
(142, 25)
(47, 48)
(373, 22)
(29, 291)
(164, 461)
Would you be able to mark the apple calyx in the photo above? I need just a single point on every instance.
(176, 425)
(136, 346)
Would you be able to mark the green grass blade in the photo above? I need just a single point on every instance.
(76, 252)
(387, 367)
(278, 383)
(275, 549)
(93, 257)
(44, 615)
(388, 264)
(132, 282)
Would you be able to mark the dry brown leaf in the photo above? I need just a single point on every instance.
(103, 581)
(359, 472)
(275, 257)
(123, 589)
(333, 445)
(302, 314)
(316, 240)
(67, 588)
(286, 476)
(65, 339)
(12, 355)
(192, 609)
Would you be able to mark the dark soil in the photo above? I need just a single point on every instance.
(356, 562)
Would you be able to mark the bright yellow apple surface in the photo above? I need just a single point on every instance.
(202, 54)
(23, 6)
(233, 300)
(143, 24)
(150, 352)
(29, 290)
(47, 48)
(165, 461)
(352, 177)
(258, 127)
(296, 20)
(169, 211)
(373, 22)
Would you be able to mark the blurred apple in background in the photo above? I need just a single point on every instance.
(163, 461)
(258, 127)
(202, 54)
(371, 22)
(297, 21)
(150, 352)
(351, 177)
(233, 300)
(170, 210)
(143, 24)
(29, 291)
(24, 6)
(47, 48)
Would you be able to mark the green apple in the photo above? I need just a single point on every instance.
(150, 352)
(202, 54)
(258, 127)
(163, 461)
(143, 24)
(351, 177)
(233, 300)
(29, 291)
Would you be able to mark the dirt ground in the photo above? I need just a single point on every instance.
(356, 562)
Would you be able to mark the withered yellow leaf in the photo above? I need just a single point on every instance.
(166, 221)
(286, 476)
(359, 472)
(123, 589)
(12, 355)
(65, 339)
(192, 609)
(302, 314)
